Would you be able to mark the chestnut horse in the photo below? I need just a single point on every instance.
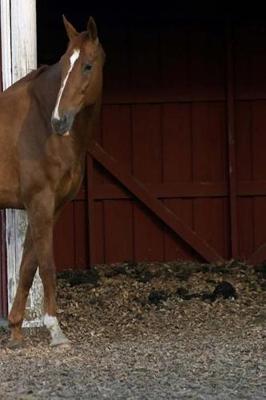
(46, 121)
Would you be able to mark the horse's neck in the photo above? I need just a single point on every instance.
(84, 125)
(45, 90)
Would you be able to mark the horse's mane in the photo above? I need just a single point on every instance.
(29, 77)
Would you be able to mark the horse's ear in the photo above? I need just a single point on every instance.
(92, 29)
(70, 30)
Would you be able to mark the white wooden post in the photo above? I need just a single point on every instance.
(19, 56)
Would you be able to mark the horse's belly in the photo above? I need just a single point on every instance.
(9, 191)
(9, 180)
(9, 198)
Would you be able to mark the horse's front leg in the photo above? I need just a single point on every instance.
(41, 214)
(26, 274)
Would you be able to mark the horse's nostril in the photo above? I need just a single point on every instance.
(56, 122)
(64, 120)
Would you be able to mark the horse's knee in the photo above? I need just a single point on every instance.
(15, 319)
(26, 279)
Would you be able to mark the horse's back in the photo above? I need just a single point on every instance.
(9, 177)
(26, 79)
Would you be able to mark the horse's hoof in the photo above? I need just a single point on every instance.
(15, 344)
(60, 341)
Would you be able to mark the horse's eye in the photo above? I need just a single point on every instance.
(87, 67)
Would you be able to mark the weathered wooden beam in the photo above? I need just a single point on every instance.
(139, 190)
(3, 270)
(19, 56)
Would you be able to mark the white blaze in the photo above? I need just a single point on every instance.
(73, 59)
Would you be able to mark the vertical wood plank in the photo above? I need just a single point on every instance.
(81, 235)
(259, 221)
(6, 81)
(98, 172)
(99, 239)
(175, 248)
(3, 269)
(118, 224)
(246, 227)
(244, 157)
(209, 165)
(176, 140)
(258, 113)
(231, 147)
(210, 223)
(116, 133)
(64, 239)
(259, 173)
(209, 142)
(19, 56)
(3, 261)
(148, 239)
(147, 143)
(118, 231)
(177, 167)
(244, 164)
(147, 167)
(90, 209)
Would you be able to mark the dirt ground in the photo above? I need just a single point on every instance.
(147, 331)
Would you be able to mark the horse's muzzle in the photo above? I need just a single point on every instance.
(62, 125)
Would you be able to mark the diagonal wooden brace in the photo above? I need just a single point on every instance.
(139, 190)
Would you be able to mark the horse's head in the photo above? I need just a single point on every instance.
(81, 76)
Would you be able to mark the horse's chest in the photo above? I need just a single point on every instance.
(70, 183)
